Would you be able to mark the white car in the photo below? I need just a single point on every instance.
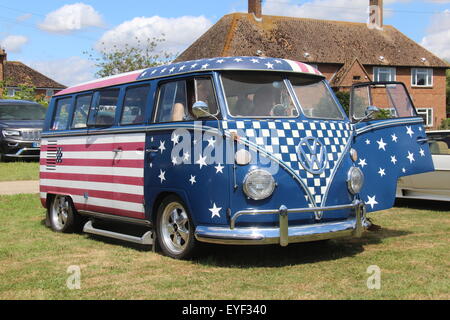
(432, 185)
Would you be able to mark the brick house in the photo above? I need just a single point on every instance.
(345, 52)
(15, 74)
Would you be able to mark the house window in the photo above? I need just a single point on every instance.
(384, 74)
(422, 77)
(427, 115)
(49, 92)
(12, 92)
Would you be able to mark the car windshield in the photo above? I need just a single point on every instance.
(315, 98)
(22, 112)
(258, 95)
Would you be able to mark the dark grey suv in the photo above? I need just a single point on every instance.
(21, 125)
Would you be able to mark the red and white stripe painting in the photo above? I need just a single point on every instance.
(93, 175)
(302, 67)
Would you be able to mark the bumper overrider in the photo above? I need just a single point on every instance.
(283, 235)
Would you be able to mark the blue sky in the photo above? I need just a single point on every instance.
(52, 35)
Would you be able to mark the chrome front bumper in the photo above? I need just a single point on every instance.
(352, 227)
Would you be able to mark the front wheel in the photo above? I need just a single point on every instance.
(62, 215)
(175, 230)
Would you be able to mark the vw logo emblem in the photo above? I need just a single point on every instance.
(312, 154)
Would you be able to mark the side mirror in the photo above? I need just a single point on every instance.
(200, 109)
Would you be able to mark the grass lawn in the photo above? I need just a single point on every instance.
(412, 249)
(15, 171)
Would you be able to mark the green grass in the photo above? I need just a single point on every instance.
(19, 171)
(412, 249)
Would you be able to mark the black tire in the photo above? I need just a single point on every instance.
(175, 229)
(62, 215)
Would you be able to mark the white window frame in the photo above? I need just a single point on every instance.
(13, 90)
(426, 71)
(429, 116)
(386, 70)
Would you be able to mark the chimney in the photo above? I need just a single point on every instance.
(255, 7)
(2, 63)
(376, 14)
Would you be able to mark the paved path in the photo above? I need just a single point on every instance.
(18, 187)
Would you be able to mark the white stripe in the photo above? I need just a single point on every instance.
(103, 139)
(113, 204)
(310, 69)
(294, 65)
(98, 186)
(108, 78)
(99, 155)
(125, 172)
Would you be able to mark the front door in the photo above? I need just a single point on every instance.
(391, 142)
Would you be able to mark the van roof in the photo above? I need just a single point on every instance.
(220, 63)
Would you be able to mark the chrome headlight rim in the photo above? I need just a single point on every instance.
(11, 133)
(355, 189)
(268, 193)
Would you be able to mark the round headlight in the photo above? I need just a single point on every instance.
(355, 180)
(259, 184)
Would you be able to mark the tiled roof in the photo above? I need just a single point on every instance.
(16, 73)
(310, 41)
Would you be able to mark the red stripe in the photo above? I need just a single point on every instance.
(101, 83)
(134, 181)
(108, 195)
(99, 163)
(302, 66)
(113, 211)
(127, 146)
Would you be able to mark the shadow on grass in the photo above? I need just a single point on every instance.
(294, 254)
(423, 204)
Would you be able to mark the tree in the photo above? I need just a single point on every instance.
(24, 92)
(344, 99)
(129, 57)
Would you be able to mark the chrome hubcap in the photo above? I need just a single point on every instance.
(60, 211)
(175, 228)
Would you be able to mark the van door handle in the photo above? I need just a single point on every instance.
(152, 150)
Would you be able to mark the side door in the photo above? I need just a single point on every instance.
(390, 140)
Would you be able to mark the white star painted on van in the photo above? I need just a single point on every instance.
(172, 70)
(163, 70)
(215, 211)
(186, 156)
(367, 141)
(420, 129)
(409, 131)
(394, 159)
(382, 172)
(201, 161)
(269, 65)
(220, 61)
(362, 163)
(192, 180)
(162, 146)
(154, 71)
(211, 142)
(410, 157)
(162, 175)
(238, 60)
(205, 66)
(394, 138)
(175, 139)
(372, 202)
(381, 145)
(278, 61)
(219, 168)
(403, 170)
(182, 68)
(174, 161)
(194, 65)
(255, 60)
(422, 152)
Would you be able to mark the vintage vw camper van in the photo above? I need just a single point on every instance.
(232, 150)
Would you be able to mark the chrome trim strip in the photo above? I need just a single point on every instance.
(388, 123)
(146, 239)
(19, 153)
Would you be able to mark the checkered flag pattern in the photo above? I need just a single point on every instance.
(281, 138)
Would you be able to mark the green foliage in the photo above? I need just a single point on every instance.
(24, 92)
(128, 58)
(383, 114)
(445, 124)
(344, 99)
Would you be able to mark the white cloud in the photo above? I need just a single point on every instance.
(177, 32)
(437, 39)
(68, 71)
(13, 43)
(70, 18)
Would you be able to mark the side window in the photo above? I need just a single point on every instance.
(439, 144)
(82, 105)
(134, 105)
(204, 91)
(61, 117)
(172, 102)
(104, 110)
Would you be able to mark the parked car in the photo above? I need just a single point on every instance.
(432, 185)
(21, 125)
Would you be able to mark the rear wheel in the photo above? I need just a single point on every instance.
(62, 215)
(175, 230)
